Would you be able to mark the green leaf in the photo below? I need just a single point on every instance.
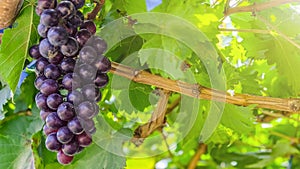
(5, 94)
(239, 119)
(16, 42)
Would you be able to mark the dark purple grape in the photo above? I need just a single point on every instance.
(70, 49)
(102, 64)
(90, 26)
(82, 36)
(66, 9)
(80, 14)
(90, 92)
(45, 4)
(98, 44)
(87, 54)
(54, 100)
(63, 158)
(78, 3)
(75, 97)
(52, 143)
(93, 130)
(38, 81)
(65, 111)
(70, 148)
(40, 65)
(75, 126)
(88, 125)
(75, 20)
(47, 130)
(53, 121)
(86, 72)
(67, 81)
(57, 58)
(64, 135)
(44, 113)
(41, 101)
(46, 49)
(71, 29)
(52, 71)
(84, 140)
(101, 80)
(49, 86)
(42, 30)
(98, 97)
(67, 65)
(57, 36)
(86, 110)
(49, 17)
(80, 149)
(34, 52)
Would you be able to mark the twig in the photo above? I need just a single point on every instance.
(156, 122)
(245, 30)
(293, 140)
(257, 7)
(92, 15)
(201, 92)
(173, 105)
(269, 116)
(18, 114)
(201, 150)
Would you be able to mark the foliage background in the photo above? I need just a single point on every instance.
(260, 55)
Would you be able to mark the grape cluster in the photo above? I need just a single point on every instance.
(71, 69)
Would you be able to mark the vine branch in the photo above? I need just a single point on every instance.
(257, 7)
(200, 151)
(13, 116)
(92, 15)
(202, 92)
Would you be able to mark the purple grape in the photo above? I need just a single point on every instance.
(75, 20)
(34, 52)
(86, 72)
(65, 111)
(101, 80)
(44, 113)
(80, 15)
(67, 65)
(46, 49)
(88, 125)
(90, 26)
(52, 143)
(98, 44)
(78, 3)
(67, 81)
(42, 30)
(63, 158)
(57, 58)
(84, 140)
(103, 64)
(66, 9)
(70, 148)
(90, 92)
(40, 65)
(54, 100)
(49, 17)
(52, 71)
(86, 110)
(75, 126)
(49, 86)
(71, 29)
(45, 4)
(41, 101)
(38, 81)
(53, 121)
(82, 36)
(64, 135)
(80, 149)
(57, 36)
(98, 97)
(87, 54)
(48, 130)
(70, 49)
(75, 97)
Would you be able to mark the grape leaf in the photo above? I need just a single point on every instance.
(5, 94)
(16, 42)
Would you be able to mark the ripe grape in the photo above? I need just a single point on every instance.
(44, 113)
(66, 9)
(103, 64)
(49, 86)
(86, 110)
(86, 72)
(70, 148)
(38, 81)
(53, 121)
(52, 71)
(90, 92)
(42, 30)
(49, 17)
(34, 52)
(46, 48)
(54, 100)
(90, 26)
(40, 65)
(87, 54)
(70, 48)
(84, 140)
(98, 44)
(67, 65)
(63, 158)
(45, 4)
(65, 111)
(75, 97)
(101, 80)
(78, 3)
(57, 58)
(47, 130)
(75, 126)
(88, 125)
(64, 135)
(41, 101)
(82, 36)
(52, 143)
(57, 36)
